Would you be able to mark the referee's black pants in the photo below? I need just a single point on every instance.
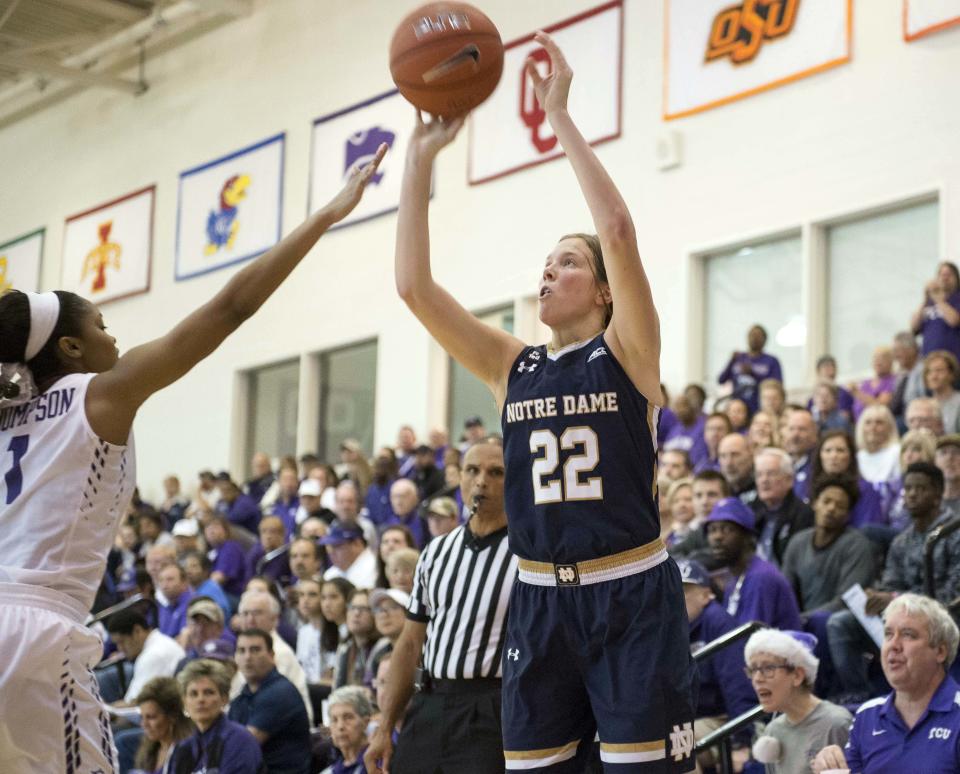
(453, 728)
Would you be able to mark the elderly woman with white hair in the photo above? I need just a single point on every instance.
(783, 669)
(350, 710)
(916, 727)
(878, 455)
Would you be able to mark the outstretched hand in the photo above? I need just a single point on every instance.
(430, 137)
(554, 88)
(350, 195)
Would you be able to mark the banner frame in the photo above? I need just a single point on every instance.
(922, 33)
(152, 190)
(667, 116)
(568, 22)
(42, 231)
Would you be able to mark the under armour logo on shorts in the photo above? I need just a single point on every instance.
(567, 575)
(681, 741)
(524, 367)
(513, 654)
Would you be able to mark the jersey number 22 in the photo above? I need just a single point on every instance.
(570, 485)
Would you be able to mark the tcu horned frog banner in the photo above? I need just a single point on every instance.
(717, 51)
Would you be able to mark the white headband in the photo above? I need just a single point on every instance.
(44, 313)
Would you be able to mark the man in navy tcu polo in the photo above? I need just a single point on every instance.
(916, 728)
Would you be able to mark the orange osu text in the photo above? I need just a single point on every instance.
(739, 30)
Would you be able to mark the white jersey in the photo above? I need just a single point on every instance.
(62, 492)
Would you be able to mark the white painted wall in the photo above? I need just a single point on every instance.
(882, 128)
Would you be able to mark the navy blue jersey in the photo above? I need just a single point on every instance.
(581, 456)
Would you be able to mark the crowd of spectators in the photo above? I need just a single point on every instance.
(270, 607)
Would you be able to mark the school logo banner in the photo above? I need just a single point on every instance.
(510, 132)
(20, 262)
(718, 51)
(349, 138)
(107, 250)
(924, 17)
(229, 209)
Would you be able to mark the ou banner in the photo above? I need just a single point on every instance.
(510, 132)
(718, 51)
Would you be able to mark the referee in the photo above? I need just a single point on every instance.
(456, 622)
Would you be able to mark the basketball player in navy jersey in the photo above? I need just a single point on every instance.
(67, 405)
(598, 636)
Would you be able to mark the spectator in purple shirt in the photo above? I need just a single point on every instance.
(272, 538)
(825, 408)
(239, 508)
(667, 418)
(879, 389)
(227, 558)
(406, 443)
(262, 478)
(716, 426)
(827, 372)
(404, 499)
(835, 455)
(938, 318)
(377, 501)
(687, 434)
(756, 591)
(287, 502)
(745, 370)
(172, 616)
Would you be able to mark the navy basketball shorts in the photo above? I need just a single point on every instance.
(608, 659)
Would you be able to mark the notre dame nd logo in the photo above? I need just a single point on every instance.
(681, 742)
(740, 30)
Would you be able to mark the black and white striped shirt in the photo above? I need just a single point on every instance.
(460, 591)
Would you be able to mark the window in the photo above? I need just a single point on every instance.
(876, 269)
(272, 409)
(468, 396)
(756, 284)
(348, 387)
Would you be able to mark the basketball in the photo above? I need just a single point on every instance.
(446, 58)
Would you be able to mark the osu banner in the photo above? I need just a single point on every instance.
(229, 209)
(107, 249)
(20, 263)
(717, 51)
(350, 137)
(510, 131)
(923, 17)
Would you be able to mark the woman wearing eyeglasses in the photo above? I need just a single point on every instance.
(783, 669)
(354, 652)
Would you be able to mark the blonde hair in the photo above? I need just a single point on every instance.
(882, 411)
(922, 439)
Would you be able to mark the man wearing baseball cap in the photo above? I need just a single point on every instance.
(756, 590)
(205, 625)
(350, 556)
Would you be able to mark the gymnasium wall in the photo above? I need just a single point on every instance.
(880, 129)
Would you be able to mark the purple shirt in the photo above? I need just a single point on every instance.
(415, 524)
(689, 438)
(875, 388)
(244, 512)
(173, 617)
(762, 594)
(240, 752)
(746, 381)
(668, 420)
(277, 569)
(287, 513)
(229, 560)
(377, 502)
(937, 334)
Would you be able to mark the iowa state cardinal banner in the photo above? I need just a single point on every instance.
(510, 131)
(923, 17)
(20, 262)
(718, 51)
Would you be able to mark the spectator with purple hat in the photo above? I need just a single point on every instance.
(783, 669)
(349, 556)
(756, 590)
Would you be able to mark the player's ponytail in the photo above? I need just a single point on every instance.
(599, 269)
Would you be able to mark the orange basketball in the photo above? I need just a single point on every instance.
(446, 58)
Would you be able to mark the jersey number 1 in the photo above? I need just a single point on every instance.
(14, 476)
(570, 486)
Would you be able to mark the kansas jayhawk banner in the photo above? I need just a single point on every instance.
(510, 131)
(350, 137)
(20, 262)
(717, 51)
(923, 17)
(229, 209)
(107, 250)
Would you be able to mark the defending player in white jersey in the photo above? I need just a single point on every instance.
(67, 470)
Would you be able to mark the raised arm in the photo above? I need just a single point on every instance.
(115, 395)
(634, 330)
(486, 352)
